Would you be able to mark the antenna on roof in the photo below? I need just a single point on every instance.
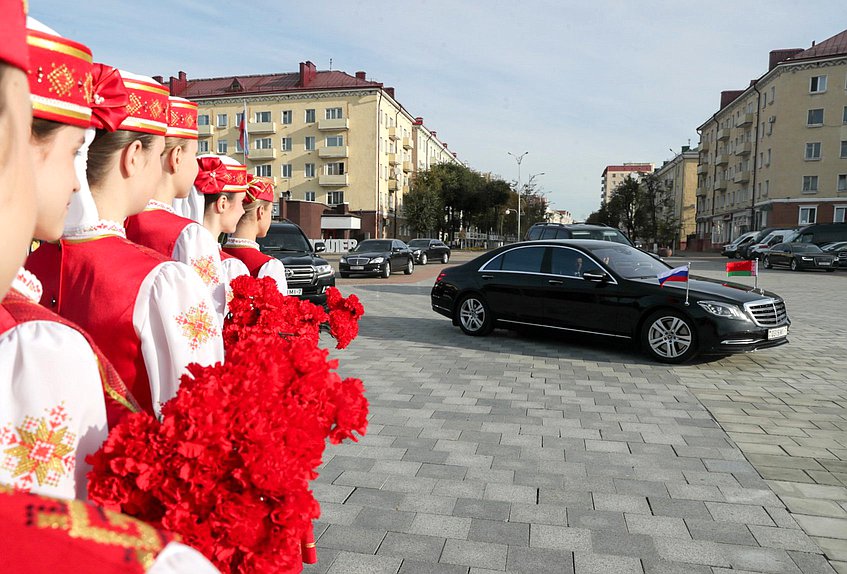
(330, 64)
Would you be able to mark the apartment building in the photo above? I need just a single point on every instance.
(340, 149)
(775, 153)
(679, 178)
(613, 176)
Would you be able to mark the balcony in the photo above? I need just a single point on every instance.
(723, 134)
(392, 134)
(392, 185)
(701, 191)
(721, 159)
(332, 180)
(703, 169)
(705, 145)
(407, 143)
(744, 149)
(720, 184)
(744, 120)
(205, 131)
(407, 166)
(262, 154)
(392, 159)
(333, 151)
(261, 127)
(742, 176)
(333, 125)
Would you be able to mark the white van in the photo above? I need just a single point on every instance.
(774, 237)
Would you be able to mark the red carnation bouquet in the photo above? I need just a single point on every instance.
(228, 466)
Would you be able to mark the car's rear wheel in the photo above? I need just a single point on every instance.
(669, 337)
(386, 271)
(768, 263)
(794, 266)
(445, 257)
(423, 259)
(410, 267)
(475, 316)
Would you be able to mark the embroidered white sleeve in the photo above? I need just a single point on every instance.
(234, 268)
(177, 558)
(276, 270)
(175, 319)
(52, 410)
(196, 247)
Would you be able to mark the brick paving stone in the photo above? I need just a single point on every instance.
(440, 525)
(383, 519)
(412, 546)
(811, 563)
(539, 561)
(666, 526)
(596, 520)
(486, 509)
(741, 513)
(621, 503)
(539, 514)
(415, 567)
(618, 544)
(510, 533)
(353, 539)
(559, 538)
(590, 563)
(475, 554)
(691, 551)
(823, 526)
(783, 538)
(725, 532)
(347, 562)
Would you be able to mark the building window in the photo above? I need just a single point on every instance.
(310, 118)
(263, 170)
(808, 215)
(844, 117)
(286, 144)
(203, 146)
(309, 195)
(309, 170)
(286, 116)
(334, 114)
(813, 151)
(815, 117)
(239, 116)
(263, 117)
(817, 84)
(839, 214)
(222, 118)
(222, 147)
(843, 148)
(335, 141)
(335, 168)
(286, 170)
(842, 182)
(810, 184)
(238, 147)
(203, 119)
(310, 143)
(264, 143)
(334, 197)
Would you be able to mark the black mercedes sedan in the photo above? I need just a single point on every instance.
(799, 257)
(426, 250)
(377, 257)
(609, 290)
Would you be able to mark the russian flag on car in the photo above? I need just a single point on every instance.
(675, 274)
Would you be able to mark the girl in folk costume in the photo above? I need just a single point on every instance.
(150, 315)
(159, 227)
(222, 183)
(256, 222)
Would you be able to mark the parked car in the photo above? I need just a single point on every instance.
(822, 233)
(775, 237)
(799, 257)
(731, 249)
(308, 276)
(546, 230)
(610, 290)
(426, 250)
(377, 257)
(839, 249)
(744, 250)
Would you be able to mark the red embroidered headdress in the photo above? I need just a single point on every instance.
(147, 107)
(220, 174)
(182, 118)
(13, 49)
(259, 188)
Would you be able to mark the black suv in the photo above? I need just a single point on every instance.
(304, 270)
(576, 231)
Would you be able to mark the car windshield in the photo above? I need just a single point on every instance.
(372, 245)
(286, 238)
(628, 262)
(835, 246)
(419, 243)
(805, 248)
(602, 234)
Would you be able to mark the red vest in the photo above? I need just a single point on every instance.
(96, 286)
(18, 309)
(157, 229)
(251, 257)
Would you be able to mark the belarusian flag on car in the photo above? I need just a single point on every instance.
(745, 268)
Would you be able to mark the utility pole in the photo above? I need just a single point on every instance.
(519, 159)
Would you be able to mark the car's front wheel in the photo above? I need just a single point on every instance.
(794, 266)
(386, 271)
(445, 257)
(410, 267)
(475, 316)
(768, 263)
(669, 337)
(423, 259)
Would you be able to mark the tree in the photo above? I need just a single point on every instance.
(602, 216)
(623, 207)
(423, 208)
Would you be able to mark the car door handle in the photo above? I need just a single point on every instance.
(487, 276)
(554, 281)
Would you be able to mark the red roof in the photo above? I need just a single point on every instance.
(835, 46)
(637, 167)
(272, 83)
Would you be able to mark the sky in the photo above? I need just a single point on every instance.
(578, 85)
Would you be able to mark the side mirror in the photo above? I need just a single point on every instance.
(595, 276)
(395, 249)
(320, 246)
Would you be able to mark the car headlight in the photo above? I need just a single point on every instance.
(377, 259)
(324, 270)
(725, 310)
(417, 251)
(343, 260)
(807, 258)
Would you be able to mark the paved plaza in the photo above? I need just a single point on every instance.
(537, 453)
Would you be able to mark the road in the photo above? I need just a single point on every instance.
(541, 453)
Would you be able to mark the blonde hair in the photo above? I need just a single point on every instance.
(173, 142)
(251, 208)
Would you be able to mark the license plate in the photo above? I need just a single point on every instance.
(357, 268)
(823, 263)
(777, 333)
(295, 292)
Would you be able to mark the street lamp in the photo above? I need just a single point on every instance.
(519, 159)
(507, 212)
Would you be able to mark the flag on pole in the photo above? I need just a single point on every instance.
(676, 274)
(243, 136)
(742, 268)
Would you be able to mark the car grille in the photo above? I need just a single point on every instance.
(825, 259)
(768, 313)
(358, 260)
(299, 275)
